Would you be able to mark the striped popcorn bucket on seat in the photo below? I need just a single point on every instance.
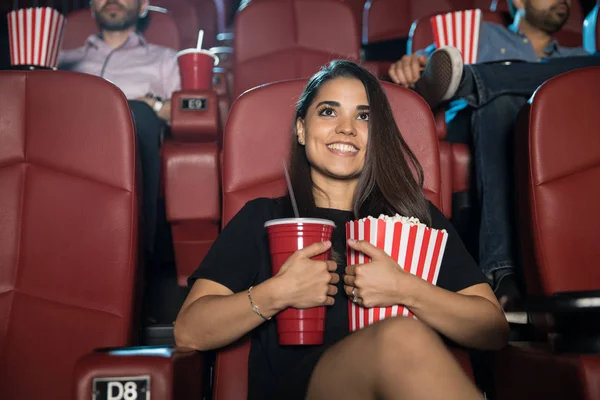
(35, 36)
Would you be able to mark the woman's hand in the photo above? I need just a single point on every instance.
(379, 283)
(305, 283)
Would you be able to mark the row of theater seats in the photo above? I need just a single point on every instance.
(69, 255)
(214, 16)
(294, 43)
(377, 20)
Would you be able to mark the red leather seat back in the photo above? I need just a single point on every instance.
(560, 171)
(285, 39)
(390, 19)
(208, 20)
(358, 6)
(162, 29)
(68, 227)
(257, 137)
(421, 32)
(186, 15)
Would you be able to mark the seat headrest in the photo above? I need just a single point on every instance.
(259, 132)
(80, 139)
(285, 39)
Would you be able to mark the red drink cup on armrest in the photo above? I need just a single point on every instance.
(196, 68)
(295, 326)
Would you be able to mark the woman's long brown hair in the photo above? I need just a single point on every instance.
(392, 179)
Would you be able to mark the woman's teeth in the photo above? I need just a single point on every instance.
(343, 147)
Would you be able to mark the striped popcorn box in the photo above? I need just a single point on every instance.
(35, 36)
(417, 248)
(459, 29)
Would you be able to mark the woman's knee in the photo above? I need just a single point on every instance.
(399, 339)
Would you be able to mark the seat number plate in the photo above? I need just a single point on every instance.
(194, 104)
(122, 388)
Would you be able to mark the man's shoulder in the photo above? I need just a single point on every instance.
(71, 56)
(494, 29)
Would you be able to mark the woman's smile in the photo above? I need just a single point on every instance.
(343, 149)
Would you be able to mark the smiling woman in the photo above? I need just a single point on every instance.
(345, 130)
(348, 161)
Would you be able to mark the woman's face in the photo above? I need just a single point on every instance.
(335, 131)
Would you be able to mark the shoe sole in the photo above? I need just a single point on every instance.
(457, 66)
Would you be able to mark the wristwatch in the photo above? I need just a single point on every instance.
(159, 102)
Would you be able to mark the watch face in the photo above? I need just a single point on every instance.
(158, 105)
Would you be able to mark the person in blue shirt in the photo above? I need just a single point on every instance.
(529, 38)
(492, 92)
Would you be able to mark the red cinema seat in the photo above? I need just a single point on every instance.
(559, 219)
(161, 29)
(565, 255)
(591, 30)
(252, 168)
(68, 227)
(285, 39)
(358, 6)
(390, 19)
(188, 19)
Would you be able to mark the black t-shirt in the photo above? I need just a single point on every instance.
(240, 258)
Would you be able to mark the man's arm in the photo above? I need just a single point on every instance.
(164, 112)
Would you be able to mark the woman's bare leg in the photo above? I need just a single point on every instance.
(396, 359)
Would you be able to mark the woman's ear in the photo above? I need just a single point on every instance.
(300, 131)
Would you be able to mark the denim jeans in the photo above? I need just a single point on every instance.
(499, 92)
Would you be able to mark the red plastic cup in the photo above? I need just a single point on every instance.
(196, 68)
(295, 326)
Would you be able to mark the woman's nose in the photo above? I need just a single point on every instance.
(346, 127)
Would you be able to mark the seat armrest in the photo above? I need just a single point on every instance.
(195, 116)
(168, 373)
(567, 302)
(569, 321)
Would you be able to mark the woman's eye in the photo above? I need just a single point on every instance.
(363, 116)
(327, 112)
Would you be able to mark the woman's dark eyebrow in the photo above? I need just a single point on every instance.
(329, 103)
(337, 104)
